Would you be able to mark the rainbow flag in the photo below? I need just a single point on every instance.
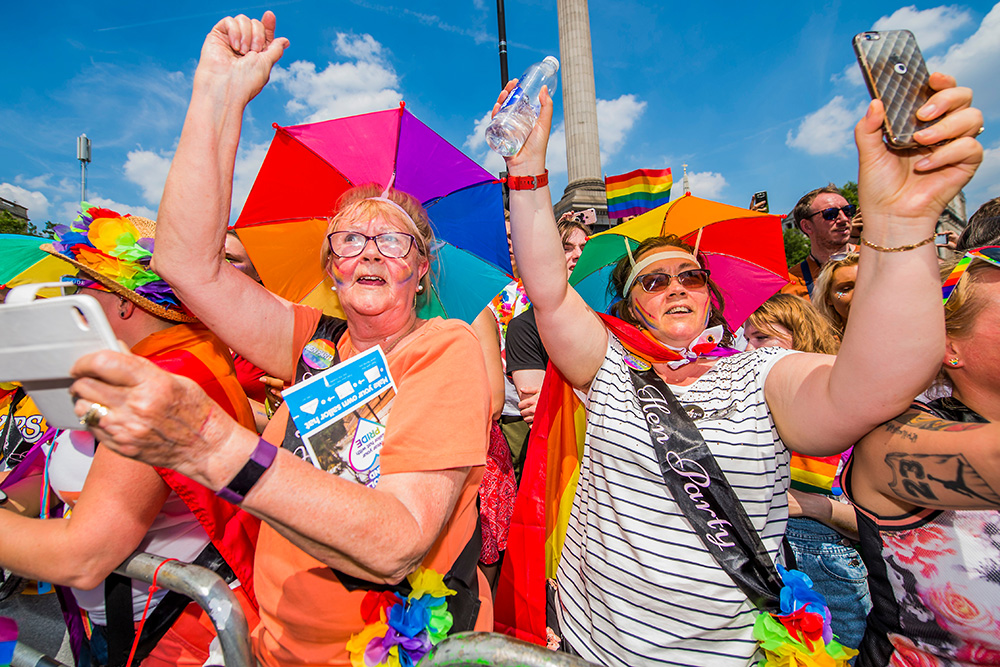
(637, 191)
(8, 639)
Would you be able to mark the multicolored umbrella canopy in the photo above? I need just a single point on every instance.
(308, 167)
(21, 262)
(744, 251)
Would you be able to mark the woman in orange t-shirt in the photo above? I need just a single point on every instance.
(343, 569)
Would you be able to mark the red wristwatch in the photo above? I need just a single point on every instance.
(528, 182)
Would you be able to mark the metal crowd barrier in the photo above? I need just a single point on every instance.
(475, 649)
(198, 583)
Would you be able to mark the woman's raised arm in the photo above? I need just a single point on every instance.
(235, 64)
(573, 335)
(895, 335)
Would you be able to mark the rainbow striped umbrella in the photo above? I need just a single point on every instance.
(21, 262)
(744, 251)
(308, 167)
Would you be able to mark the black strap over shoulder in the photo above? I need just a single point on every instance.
(118, 603)
(952, 409)
(331, 329)
(700, 489)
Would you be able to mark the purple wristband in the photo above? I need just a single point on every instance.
(260, 460)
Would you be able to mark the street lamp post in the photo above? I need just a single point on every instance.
(83, 155)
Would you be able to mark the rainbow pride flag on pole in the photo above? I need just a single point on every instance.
(637, 191)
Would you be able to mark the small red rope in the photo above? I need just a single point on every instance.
(149, 598)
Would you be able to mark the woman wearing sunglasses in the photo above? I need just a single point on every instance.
(373, 572)
(926, 488)
(650, 569)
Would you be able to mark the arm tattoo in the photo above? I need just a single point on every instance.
(947, 480)
(928, 422)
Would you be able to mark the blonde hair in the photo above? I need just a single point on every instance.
(362, 203)
(822, 300)
(811, 332)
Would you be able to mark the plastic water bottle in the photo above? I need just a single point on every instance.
(512, 124)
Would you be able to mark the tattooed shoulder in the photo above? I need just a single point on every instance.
(938, 480)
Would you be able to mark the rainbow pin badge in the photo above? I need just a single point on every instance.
(989, 253)
(8, 639)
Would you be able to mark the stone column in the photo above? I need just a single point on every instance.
(583, 155)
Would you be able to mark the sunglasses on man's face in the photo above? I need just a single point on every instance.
(657, 282)
(830, 214)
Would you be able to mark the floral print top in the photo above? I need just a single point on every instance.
(934, 577)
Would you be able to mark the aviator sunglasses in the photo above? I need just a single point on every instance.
(830, 214)
(657, 282)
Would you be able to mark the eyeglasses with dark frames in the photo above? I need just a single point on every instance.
(394, 245)
(657, 282)
(830, 214)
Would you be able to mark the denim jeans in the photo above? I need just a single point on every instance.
(837, 572)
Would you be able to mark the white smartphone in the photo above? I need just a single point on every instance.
(39, 343)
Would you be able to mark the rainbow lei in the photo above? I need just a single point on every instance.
(400, 632)
(108, 243)
(800, 636)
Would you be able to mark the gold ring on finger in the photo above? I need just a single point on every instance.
(94, 414)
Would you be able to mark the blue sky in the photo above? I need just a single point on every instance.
(752, 96)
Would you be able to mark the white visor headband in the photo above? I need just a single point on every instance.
(676, 253)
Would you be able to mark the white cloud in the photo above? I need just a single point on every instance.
(476, 147)
(248, 161)
(931, 27)
(615, 118)
(358, 47)
(851, 75)
(148, 170)
(704, 184)
(827, 131)
(974, 62)
(341, 89)
(36, 202)
(69, 210)
(986, 183)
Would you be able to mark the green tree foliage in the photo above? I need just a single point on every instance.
(850, 192)
(11, 224)
(796, 246)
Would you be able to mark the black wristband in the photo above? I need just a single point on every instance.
(259, 461)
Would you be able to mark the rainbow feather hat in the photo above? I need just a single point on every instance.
(113, 253)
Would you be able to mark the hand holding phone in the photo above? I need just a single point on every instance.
(759, 202)
(895, 73)
(41, 342)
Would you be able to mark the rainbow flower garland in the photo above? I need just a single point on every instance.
(800, 636)
(400, 632)
(109, 244)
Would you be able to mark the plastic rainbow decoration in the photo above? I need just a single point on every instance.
(400, 632)
(8, 639)
(990, 253)
(799, 636)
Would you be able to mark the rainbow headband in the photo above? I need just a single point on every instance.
(674, 253)
(989, 253)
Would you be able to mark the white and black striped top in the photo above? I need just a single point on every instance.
(636, 585)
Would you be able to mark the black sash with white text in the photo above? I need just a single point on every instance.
(700, 489)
